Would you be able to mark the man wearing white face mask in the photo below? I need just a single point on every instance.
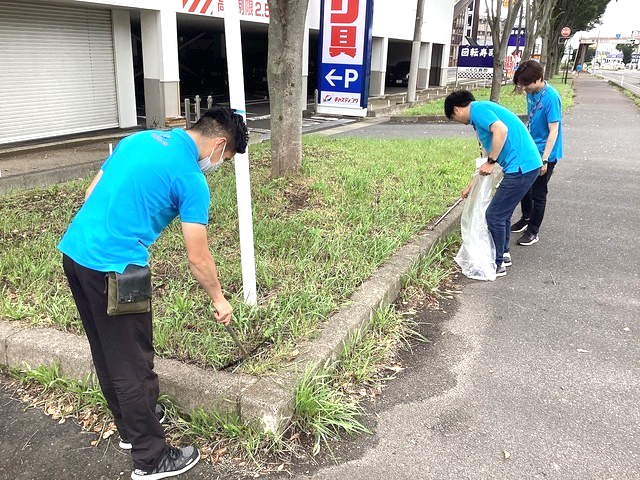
(151, 178)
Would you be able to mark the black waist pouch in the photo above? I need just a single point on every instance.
(129, 291)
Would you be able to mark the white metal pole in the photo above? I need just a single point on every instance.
(243, 182)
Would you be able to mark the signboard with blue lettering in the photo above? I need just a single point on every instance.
(517, 37)
(481, 56)
(475, 62)
(345, 56)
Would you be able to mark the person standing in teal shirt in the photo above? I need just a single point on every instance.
(544, 109)
(506, 141)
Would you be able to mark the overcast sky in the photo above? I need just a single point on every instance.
(621, 17)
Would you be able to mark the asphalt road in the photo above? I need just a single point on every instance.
(629, 78)
(540, 366)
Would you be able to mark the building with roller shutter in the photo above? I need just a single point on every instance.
(69, 67)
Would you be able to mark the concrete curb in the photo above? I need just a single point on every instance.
(43, 178)
(399, 107)
(381, 288)
(52, 176)
(419, 119)
(266, 402)
(68, 142)
(433, 119)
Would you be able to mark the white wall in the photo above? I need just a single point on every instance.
(438, 20)
(395, 19)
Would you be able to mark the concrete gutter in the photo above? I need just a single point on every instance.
(266, 402)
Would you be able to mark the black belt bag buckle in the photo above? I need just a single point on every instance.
(130, 291)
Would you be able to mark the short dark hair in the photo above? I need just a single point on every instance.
(528, 72)
(224, 122)
(459, 98)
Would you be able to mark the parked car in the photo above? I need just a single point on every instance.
(398, 75)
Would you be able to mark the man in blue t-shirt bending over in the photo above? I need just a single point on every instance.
(151, 178)
(506, 141)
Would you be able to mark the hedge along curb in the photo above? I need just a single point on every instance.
(266, 402)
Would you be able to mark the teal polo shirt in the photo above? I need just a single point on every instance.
(151, 178)
(519, 153)
(545, 107)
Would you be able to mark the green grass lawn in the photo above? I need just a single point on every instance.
(317, 238)
(513, 100)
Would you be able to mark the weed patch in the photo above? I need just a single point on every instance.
(317, 238)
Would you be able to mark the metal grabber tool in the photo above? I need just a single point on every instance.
(234, 335)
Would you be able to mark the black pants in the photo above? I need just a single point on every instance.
(122, 351)
(534, 202)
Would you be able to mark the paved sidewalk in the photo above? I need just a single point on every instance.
(535, 375)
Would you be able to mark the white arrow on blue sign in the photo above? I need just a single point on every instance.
(350, 76)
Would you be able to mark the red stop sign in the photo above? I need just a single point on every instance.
(565, 32)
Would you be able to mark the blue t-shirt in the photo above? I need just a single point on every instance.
(544, 108)
(151, 177)
(519, 153)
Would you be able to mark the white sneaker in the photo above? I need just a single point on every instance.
(161, 418)
(506, 259)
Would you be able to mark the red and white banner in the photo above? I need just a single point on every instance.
(257, 9)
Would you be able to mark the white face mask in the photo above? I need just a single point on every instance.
(205, 164)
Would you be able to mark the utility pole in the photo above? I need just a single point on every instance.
(415, 53)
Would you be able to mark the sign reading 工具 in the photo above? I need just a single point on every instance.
(345, 56)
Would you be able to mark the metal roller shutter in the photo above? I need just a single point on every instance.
(56, 71)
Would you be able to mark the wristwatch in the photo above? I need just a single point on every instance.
(491, 160)
(544, 162)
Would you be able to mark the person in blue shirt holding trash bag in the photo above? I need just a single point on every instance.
(544, 110)
(506, 141)
(151, 178)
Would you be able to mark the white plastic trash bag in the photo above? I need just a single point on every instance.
(477, 254)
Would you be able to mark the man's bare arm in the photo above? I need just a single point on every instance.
(204, 269)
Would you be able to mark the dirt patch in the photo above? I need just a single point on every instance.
(298, 197)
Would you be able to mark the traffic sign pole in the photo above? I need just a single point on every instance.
(565, 32)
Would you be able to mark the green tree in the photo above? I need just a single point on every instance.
(627, 49)
(577, 14)
(284, 75)
(538, 15)
(500, 33)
